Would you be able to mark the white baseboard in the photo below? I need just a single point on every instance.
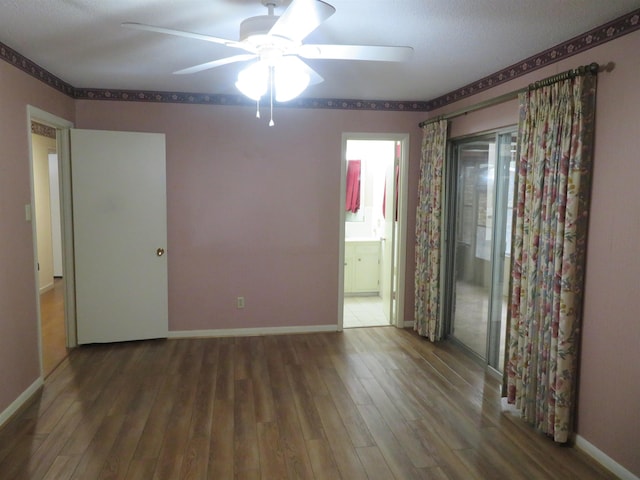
(408, 324)
(46, 288)
(604, 459)
(251, 332)
(21, 400)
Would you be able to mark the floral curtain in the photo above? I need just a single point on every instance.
(428, 230)
(550, 227)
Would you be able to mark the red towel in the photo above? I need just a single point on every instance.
(352, 203)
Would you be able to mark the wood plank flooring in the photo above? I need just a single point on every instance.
(376, 403)
(54, 338)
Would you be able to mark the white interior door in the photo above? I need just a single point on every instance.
(120, 235)
(388, 244)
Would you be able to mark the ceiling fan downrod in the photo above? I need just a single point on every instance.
(271, 5)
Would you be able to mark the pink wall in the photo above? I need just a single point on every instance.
(609, 412)
(609, 390)
(19, 358)
(253, 211)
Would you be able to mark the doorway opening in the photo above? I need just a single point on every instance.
(373, 213)
(48, 211)
(481, 185)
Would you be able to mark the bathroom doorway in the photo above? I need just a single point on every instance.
(373, 213)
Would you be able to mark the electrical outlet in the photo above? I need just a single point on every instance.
(240, 302)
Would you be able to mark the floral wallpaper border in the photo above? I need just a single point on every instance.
(44, 130)
(603, 34)
(616, 28)
(240, 100)
(11, 56)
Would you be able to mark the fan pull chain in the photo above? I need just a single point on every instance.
(258, 108)
(271, 69)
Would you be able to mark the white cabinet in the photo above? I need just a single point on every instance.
(362, 267)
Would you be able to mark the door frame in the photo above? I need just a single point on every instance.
(64, 177)
(401, 241)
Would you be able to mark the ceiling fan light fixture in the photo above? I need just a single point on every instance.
(290, 81)
(254, 80)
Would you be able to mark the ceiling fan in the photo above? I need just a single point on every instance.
(274, 44)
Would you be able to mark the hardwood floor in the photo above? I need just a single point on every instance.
(377, 403)
(54, 339)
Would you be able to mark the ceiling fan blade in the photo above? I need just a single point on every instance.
(356, 52)
(216, 63)
(301, 18)
(181, 33)
(295, 62)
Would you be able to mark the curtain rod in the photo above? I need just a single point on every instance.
(592, 68)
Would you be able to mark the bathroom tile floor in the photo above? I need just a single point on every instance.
(363, 312)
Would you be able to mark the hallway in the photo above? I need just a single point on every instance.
(54, 348)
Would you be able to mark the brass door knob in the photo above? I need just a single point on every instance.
(160, 251)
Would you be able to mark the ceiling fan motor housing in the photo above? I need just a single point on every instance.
(254, 29)
(255, 32)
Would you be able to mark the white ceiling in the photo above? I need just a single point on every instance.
(455, 41)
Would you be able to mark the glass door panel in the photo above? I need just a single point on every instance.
(484, 170)
(474, 220)
(501, 264)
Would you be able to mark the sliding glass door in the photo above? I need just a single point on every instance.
(481, 193)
